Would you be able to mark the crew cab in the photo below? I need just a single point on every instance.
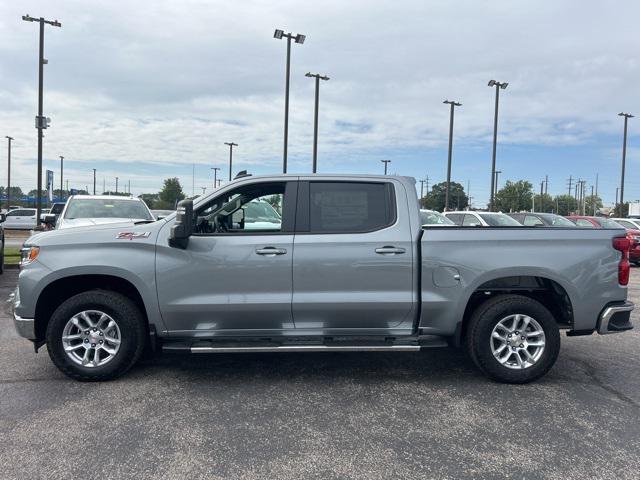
(342, 263)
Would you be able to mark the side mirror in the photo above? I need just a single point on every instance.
(50, 219)
(183, 226)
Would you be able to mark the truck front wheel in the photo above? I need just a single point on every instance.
(513, 339)
(96, 335)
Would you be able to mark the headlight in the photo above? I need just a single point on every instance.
(28, 255)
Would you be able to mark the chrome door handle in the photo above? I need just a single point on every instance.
(271, 251)
(388, 250)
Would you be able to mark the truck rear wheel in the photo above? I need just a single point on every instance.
(513, 339)
(96, 335)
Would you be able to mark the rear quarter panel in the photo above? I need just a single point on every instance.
(582, 261)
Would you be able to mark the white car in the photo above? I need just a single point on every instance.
(431, 218)
(87, 210)
(21, 219)
(628, 223)
(482, 219)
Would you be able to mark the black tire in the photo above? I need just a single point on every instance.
(487, 316)
(129, 319)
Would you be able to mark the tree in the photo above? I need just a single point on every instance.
(170, 194)
(592, 204)
(119, 194)
(434, 200)
(544, 203)
(151, 199)
(565, 204)
(514, 196)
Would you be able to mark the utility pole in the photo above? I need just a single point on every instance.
(427, 184)
(231, 145)
(593, 202)
(204, 189)
(448, 187)
(116, 185)
(570, 184)
(541, 206)
(386, 162)
(318, 77)
(421, 189)
(215, 176)
(219, 182)
(626, 116)
(498, 85)
(61, 172)
(129, 188)
(9, 140)
(298, 38)
(41, 121)
(104, 184)
(94, 181)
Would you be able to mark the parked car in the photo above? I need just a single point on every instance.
(603, 222)
(628, 223)
(535, 219)
(481, 219)
(21, 219)
(91, 210)
(348, 268)
(431, 218)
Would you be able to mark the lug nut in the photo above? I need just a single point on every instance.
(86, 340)
(93, 344)
(513, 348)
(521, 346)
(522, 338)
(86, 332)
(101, 334)
(100, 342)
(509, 335)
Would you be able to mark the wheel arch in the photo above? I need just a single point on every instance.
(548, 291)
(61, 289)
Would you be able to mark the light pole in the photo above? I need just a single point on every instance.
(61, 173)
(318, 77)
(626, 116)
(94, 181)
(9, 140)
(498, 85)
(215, 176)
(231, 145)
(446, 192)
(298, 38)
(386, 162)
(41, 121)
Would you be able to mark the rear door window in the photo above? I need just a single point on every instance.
(470, 221)
(350, 207)
(455, 218)
(581, 222)
(532, 221)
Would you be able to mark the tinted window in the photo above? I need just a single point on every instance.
(455, 218)
(342, 207)
(532, 221)
(470, 221)
(57, 208)
(499, 220)
(428, 217)
(608, 223)
(556, 220)
(581, 222)
(626, 224)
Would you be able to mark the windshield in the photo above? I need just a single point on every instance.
(434, 218)
(258, 211)
(557, 220)
(608, 223)
(107, 208)
(499, 220)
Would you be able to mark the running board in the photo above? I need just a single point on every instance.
(308, 348)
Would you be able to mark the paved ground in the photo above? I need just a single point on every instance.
(369, 416)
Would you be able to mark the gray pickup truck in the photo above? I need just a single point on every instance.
(317, 263)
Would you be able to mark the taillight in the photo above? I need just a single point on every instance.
(622, 244)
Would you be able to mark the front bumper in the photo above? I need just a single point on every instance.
(615, 318)
(26, 327)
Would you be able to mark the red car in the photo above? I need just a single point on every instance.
(602, 222)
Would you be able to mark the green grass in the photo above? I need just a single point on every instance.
(11, 255)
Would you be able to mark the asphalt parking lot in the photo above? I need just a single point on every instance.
(347, 415)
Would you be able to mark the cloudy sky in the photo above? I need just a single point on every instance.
(150, 89)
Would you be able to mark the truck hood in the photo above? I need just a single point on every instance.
(104, 233)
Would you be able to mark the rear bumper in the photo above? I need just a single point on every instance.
(615, 318)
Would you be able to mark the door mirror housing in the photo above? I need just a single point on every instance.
(183, 226)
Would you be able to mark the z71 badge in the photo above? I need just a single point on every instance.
(132, 235)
